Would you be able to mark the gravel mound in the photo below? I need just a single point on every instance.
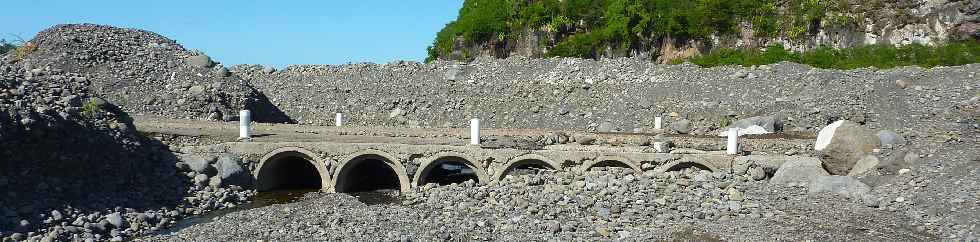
(74, 167)
(145, 73)
(613, 204)
(623, 94)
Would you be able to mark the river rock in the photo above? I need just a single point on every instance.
(196, 163)
(115, 219)
(864, 165)
(230, 170)
(841, 185)
(682, 126)
(888, 137)
(200, 61)
(842, 143)
(798, 171)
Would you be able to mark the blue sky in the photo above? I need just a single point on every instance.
(276, 33)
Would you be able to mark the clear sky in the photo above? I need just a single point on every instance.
(276, 33)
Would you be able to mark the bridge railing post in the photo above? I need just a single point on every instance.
(245, 124)
(732, 147)
(475, 131)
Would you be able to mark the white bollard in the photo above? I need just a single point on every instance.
(245, 123)
(732, 141)
(658, 122)
(339, 120)
(475, 131)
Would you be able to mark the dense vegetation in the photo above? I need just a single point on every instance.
(879, 56)
(583, 27)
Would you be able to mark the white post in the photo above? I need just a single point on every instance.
(245, 123)
(658, 122)
(732, 141)
(339, 120)
(475, 131)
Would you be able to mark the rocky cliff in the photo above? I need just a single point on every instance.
(797, 25)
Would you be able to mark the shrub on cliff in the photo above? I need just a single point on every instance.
(580, 27)
(880, 56)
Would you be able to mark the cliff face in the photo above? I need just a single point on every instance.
(833, 23)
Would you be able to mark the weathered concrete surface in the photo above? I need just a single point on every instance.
(412, 153)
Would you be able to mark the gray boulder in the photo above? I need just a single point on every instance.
(115, 219)
(200, 61)
(222, 72)
(197, 163)
(864, 165)
(841, 185)
(201, 179)
(798, 171)
(888, 137)
(682, 126)
(230, 170)
(842, 143)
(268, 70)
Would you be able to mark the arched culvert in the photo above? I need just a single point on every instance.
(290, 168)
(448, 169)
(370, 172)
(525, 164)
(611, 162)
(687, 165)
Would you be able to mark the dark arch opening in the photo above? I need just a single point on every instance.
(527, 167)
(448, 170)
(367, 173)
(289, 172)
(606, 164)
(688, 165)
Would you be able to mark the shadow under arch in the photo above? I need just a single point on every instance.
(615, 161)
(429, 169)
(290, 168)
(526, 160)
(370, 170)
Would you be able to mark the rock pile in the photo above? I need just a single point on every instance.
(145, 73)
(613, 204)
(620, 95)
(74, 167)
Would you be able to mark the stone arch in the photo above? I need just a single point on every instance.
(683, 164)
(428, 164)
(614, 159)
(523, 160)
(278, 169)
(342, 183)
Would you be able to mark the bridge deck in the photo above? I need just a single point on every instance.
(411, 152)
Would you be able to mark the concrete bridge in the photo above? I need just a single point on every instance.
(351, 160)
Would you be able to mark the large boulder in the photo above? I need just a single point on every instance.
(888, 137)
(798, 171)
(198, 164)
(230, 170)
(842, 143)
(841, 185)
(682, 126)
(864, 165)
(199, 61)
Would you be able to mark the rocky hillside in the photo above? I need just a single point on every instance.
(143, 72)
(623, 94)
(73, 167)
(665, 30)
